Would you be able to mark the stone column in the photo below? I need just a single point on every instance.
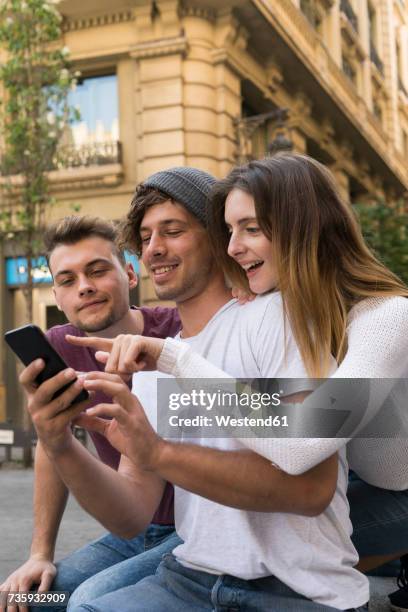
(334, 31)
(212, 90)
(364, 29)
(159, 88)
(386, 15)
(199, 91)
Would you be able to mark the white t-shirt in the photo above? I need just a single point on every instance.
(312, 555)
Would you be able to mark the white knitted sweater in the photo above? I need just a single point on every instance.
(377, 348)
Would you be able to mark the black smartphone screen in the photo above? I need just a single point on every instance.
(30, 343)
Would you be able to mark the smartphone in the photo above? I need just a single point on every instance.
(30, 343)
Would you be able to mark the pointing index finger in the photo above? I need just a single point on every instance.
(99, 344)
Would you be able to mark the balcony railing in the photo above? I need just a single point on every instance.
(74, 156)
(347, 9)
(92, 154)
(375, 58)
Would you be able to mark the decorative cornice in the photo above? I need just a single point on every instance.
(95, 21)
(327, 133)
(302, 105)
(73, 179)
(230, 59)
(196, 11)
(158, 48)
(346, 151)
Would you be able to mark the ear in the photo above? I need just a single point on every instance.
(56, 299)
(132, 276)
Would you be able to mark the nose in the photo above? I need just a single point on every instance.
(156, 247)
(235, 246)
(85, 286)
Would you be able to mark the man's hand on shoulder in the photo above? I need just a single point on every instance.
(37, 570)
(129, 430)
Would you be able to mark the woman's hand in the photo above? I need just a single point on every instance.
(243, 296)
(125, 354)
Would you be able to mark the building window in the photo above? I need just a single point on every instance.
(97, 100)
(94, 139)
(347, 8)
(373, 36)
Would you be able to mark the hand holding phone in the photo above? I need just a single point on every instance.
(30, 343)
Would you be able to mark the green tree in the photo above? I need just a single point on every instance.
(384, 227)
(35, 79)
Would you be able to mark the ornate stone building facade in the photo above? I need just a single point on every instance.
(206, 83)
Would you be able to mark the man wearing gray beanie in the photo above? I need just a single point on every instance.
(225, 495)
(188, 186)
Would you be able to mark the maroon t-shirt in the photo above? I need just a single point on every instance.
(158, 323)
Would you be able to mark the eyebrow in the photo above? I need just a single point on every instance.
(243, 221)
(165, 223)
(88, 265)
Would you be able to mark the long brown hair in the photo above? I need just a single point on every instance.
(324, 266)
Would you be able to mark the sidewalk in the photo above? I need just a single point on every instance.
(78, 528)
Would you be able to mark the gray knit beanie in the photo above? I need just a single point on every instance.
(189, 186)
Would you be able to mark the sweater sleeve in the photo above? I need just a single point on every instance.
(293, 455)
(377, 347)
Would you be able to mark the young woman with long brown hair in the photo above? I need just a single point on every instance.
(280, 224)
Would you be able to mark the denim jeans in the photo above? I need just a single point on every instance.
(175, 588)
(111, 563)
(380, 522)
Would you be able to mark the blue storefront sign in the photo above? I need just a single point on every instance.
(16, 270)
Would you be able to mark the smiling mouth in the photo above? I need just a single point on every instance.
(252, 267)
(162, 270)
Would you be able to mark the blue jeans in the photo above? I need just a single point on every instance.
(111, 563)
(175, 588)
(380, 522)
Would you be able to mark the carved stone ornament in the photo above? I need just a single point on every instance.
(197, 11)
(96, 21)
(274, 77)
(302, 105)
(159, 48)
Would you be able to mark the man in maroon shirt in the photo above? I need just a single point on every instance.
(91, 286)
